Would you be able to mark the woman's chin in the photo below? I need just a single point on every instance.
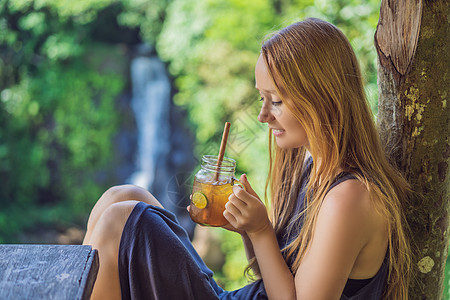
(283, 145)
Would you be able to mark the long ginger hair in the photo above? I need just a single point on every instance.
(317, 76)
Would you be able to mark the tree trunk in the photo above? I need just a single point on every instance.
(412, 41)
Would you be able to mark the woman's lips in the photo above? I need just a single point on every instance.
(277, 132)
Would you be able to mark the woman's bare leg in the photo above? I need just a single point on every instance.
(105, 237)
(105, 227)
(114, 195)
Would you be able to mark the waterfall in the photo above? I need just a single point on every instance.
(151, 103)
(164, 155)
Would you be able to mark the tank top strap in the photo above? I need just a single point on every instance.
(341, 177)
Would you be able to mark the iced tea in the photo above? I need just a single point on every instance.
(208, 202)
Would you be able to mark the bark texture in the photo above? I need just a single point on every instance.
(413, 45)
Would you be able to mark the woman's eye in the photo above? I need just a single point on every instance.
(274, 103)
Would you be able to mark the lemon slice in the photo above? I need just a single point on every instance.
(199, 200)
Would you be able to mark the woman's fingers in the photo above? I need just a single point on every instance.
(248, 187)
(233, 198)
(230, 227)
(241, 194)
(246, 198)
(189, 206)
(232, 208)
(230, 218)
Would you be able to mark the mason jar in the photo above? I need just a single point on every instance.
(212, 186)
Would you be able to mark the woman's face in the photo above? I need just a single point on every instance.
(287, 130)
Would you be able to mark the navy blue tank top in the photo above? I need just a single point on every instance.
(355, 289)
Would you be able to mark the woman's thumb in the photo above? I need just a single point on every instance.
(247, 185)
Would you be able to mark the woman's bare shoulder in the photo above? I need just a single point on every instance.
(344, 227)
(349, 196)
(349, 205)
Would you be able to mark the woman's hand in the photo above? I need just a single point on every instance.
(230, 227)
(244, 211)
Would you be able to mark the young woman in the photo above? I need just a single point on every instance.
(335, 229)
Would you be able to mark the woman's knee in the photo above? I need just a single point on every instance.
(108, 230)
(127, 192)
(113, 195)
(119, 193)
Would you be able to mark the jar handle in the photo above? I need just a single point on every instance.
(235, 181)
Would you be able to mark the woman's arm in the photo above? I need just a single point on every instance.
(344, 226)
(248, 247)
(277, 277)
(246, 212)
(250, 253)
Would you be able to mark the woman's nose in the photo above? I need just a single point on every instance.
(265, 115)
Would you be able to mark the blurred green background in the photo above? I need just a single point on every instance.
(65, 74)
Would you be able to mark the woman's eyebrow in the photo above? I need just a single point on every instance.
(266, 91)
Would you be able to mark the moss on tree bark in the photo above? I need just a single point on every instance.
(412, 42)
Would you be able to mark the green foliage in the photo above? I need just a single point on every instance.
(231, 276)
(59, 81)
(57, 113)
(147, 15)
(446, 292)
(65, 118)
(212, 47)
